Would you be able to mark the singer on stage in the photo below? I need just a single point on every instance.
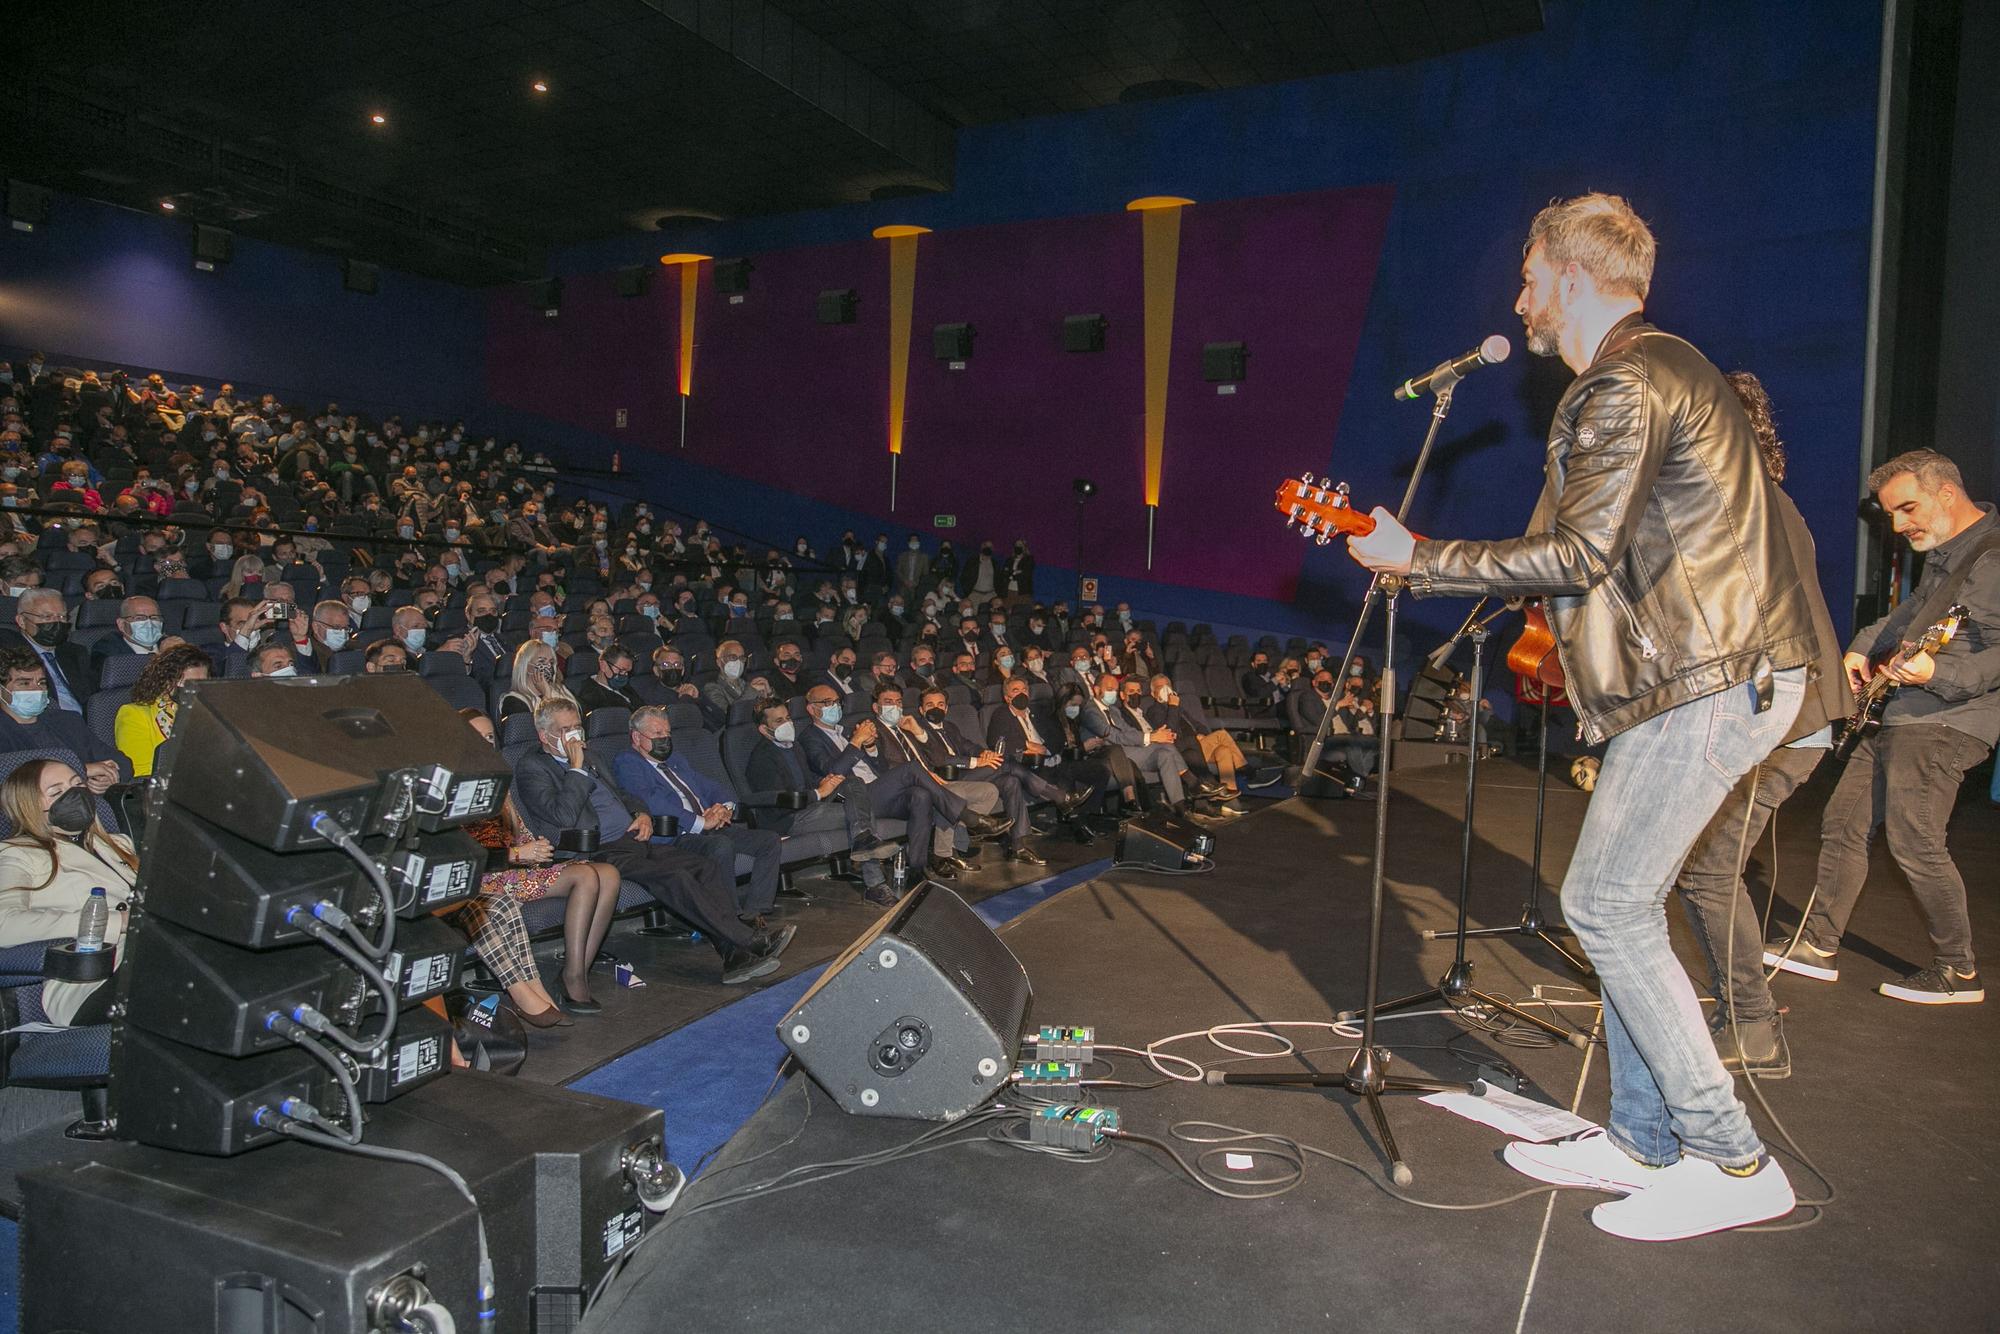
(1684, 630)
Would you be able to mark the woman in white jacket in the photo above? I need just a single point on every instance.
(57, 855)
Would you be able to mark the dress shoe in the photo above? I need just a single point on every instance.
(743, 965)
(1070, 805)
(572, 1004)
(881, 896)
(941, 868)
(988, 827)
(865, 841)
(770, 944)
(1026, 856)
(1081, 832)
(550, 1018)
(957, 865)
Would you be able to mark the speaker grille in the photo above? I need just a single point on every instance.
(967, 952)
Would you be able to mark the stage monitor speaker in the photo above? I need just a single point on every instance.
(183, 1098)
(27, 203)
(1083, 333)
(952, 342)
(733, 275)
(1163, 842)
(215, 996)
(921, 1017)
(1223, 363)
(545, 295)
(837, 305)
(358, 275)
(265, 757)
(235, 890)
(634, 278)
(212, 245)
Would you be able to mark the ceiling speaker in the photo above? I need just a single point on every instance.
(1083, 333)
(733, 275)
(1223, 363)
(952, 342)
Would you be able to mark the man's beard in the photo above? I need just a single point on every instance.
(1545, 331)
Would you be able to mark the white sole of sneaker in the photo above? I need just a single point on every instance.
(1516, 1158)
(1894, 992)
(1617, 1225)
(1801, 967)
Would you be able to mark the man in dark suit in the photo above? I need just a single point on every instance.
(669, 787)
(485, 654)
(776, 766)
(1201, 743)
(790, 678)
(941, 743)
(609, 687)
(1033, 738)
(1017, 578)
(558, 788)
(41, 625)
(30, 721)
(139, 632)
(839, 676)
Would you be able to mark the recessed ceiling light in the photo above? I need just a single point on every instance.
(168, 205)
(540, 85)
(378, 119)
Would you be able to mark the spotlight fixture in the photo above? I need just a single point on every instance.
(377, 118)
(1084, 488)
(540, 85)
(168, 205)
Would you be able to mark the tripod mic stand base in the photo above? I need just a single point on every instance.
(1536, 927)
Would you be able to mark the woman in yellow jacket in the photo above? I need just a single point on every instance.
(148, 720)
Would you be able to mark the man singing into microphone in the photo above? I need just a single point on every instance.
(1684, 630)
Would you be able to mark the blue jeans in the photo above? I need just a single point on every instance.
(1661, 782)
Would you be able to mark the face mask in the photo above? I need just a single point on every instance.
(617, 680)
(146, 632)
(891, 714)
(1072, 710)
(1313, 664)
(1006, 662)
(881, 546)
(788, 664)
(915, 545)
(785, 733)
(72, 811)
(413, 640)
(650, 612)
(662, 747)
(335, 639)
(830, 715)
(52, 635)
(1079, 665)
(1107, 698)
(221, 551)
(486, 624)
(549, 637)
(935, 716)
(28, 703)
(1161, 694)
(546, 609)
(359, 603)
(287, 670)
(733, 668)
(923, 668)
(671, 675)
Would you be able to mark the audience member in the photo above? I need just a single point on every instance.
(148, 720)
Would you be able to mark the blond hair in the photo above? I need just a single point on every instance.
(1601, 235)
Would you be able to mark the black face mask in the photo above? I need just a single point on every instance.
(671, 675)
(54, 634)
(924, 668)
(936, 716)
(788, 665)
(108, 592)
(486, 625)
(662, 747)
(1019, 702)
(72, 812)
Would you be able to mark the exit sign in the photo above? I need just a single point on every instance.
(945, 521)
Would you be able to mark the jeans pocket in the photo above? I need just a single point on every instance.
(1739, 737)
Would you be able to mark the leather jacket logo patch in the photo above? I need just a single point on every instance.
(1586, 436)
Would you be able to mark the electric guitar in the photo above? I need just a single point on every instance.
(1320, 509)
(1871, 699)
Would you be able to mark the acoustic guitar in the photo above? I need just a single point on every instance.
(1871, 699)
(1321, 509)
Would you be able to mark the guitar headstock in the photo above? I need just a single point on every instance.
(1319, 509)
(1942, 630)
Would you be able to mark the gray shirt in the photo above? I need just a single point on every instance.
(1964, 691)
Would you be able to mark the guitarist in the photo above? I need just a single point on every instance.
(1943, 721)
(1684, 630)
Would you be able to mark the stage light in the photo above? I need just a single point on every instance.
(1083, 487)
(540, 85)
(168, 205)
(377, 118)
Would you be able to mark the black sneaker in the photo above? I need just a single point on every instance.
(1939, 984)
(1801, 957)
(740, 966)
(1764, 1052)
(880, 896)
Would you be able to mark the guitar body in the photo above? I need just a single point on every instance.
(1865, 722)
(1533, 655)
(1873, 698)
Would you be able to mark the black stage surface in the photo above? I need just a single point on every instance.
(1894, 1101)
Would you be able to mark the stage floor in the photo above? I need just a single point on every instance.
(1895, 1102)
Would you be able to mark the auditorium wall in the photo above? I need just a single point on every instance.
(1351, 230)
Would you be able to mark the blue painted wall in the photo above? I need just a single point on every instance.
(110, 285)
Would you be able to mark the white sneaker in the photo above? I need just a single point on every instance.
(1694, 1197)
(1589, 1160)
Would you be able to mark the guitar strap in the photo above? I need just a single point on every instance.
(1946, 591)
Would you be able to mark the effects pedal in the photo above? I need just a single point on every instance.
(1056, 1043)
(1061, 1081)
(1076, 1128)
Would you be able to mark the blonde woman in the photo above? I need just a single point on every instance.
(537, 677)
(141, 726)
(57, 855)
(247, 569)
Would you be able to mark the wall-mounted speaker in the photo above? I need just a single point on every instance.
(632, 279)
(837, 305)
(733, 275)
(1223, 363)
(212, 246)
(951, 342)
(27, 203)
(545, 295)
(358, 275)
(1083, 333)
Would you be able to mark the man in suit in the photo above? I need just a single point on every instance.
(940, 742)
(897, 746)
(1200, 741)
(790, 678)
(41, 625)
(328, 633)
(29, 721)
(728, 686)
(913, 568)
(487, 656)
(668, 786)
(1033, 738)
(557, 788)
(609, 687)
(139, 632)
(1017, 578)
(1150, 749)
(777, 765)
(839, 677)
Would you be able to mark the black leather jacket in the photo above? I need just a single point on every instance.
(1657, 540)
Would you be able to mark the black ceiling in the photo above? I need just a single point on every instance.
(253, 114)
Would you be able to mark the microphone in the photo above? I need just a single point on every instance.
(1448, 373)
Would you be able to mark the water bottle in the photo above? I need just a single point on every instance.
(90, 932)
(899, 873)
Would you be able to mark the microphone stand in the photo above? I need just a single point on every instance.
(1455, 987)
(1364, 1077)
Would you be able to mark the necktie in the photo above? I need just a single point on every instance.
(675, 781)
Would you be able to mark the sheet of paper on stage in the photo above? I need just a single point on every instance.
(1519, 1117)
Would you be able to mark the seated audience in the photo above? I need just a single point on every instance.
(148, 720)
(29, 720)
(57, 854)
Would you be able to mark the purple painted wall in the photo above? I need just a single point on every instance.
(783, 400)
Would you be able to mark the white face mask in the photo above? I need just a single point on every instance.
(550, 637)
(359, 603)
(1162, 693)
(784, 733)
(335, 639)
(891, 715)
(413, 639)
(287, 670)
(733, 668)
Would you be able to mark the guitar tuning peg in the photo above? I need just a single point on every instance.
(1306, 477)
(1321, 540)
(1341, 489)
(1290, 524)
